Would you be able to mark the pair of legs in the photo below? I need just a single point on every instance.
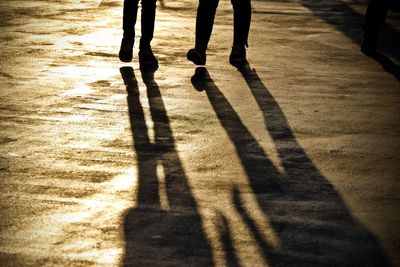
(147, 26)
(204, 25)
(373, 22)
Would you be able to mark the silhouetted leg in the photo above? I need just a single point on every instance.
(205, 21)
(129, 18)
(241, 21)
(241, 27)
(204, 25)
(128, 26)
(148, 18)
(148, 189)
(373, 23)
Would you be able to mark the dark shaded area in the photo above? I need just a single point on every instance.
(345, 19)
(312, 222)
(373, 23)
(231, 258)
(387, 64)
(148, 15)
(153, 236)
(205, 17)
(374, 18)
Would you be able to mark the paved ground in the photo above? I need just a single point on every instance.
(292, 161)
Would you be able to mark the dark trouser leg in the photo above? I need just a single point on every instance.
(375, 18)
(129, 18)
(241, 21)
(148, 18)
(205, 21)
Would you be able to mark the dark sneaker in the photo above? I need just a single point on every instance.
(126, 50)
(368, 46)
(147, 58)
(201, 79)
(238, 55)
(197, 56)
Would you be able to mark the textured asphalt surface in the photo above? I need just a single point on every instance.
(292, 160)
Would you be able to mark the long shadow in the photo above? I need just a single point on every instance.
(155, 235)
(387, 64)
(313, 224)
(231, 257)
(338, 14)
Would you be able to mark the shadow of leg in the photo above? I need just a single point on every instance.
(313, 224)
(155, 235)
(319, 227)
(387, 64)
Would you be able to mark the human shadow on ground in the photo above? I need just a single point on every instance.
(341, 16)
(312, 222)
(387, 64)
(154, 235)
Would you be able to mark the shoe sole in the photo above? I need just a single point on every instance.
(150, 63)
(195, 58)
(125, 59)
(237, 62)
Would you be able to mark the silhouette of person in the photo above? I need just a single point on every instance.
(146, 56)
(204, 24)
(154, 235)
(373, 22)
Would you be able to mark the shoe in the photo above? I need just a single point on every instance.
(369, 46)
(126, 50)
(197, 56)
(238, 55)
(147, 58)
(201, 79)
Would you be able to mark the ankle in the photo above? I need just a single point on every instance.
(201, 48)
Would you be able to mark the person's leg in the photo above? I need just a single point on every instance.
(204, 25)
(373, 22)
(241, 28)
(146, 56)
(205, 21)
(128, 27)
(129, 18)
(148, 19)
(241, 21)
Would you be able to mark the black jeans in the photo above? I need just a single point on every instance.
(375, 17)
(205, 21)
(148, 17)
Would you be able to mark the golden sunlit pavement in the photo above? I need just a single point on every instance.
(291, 160)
